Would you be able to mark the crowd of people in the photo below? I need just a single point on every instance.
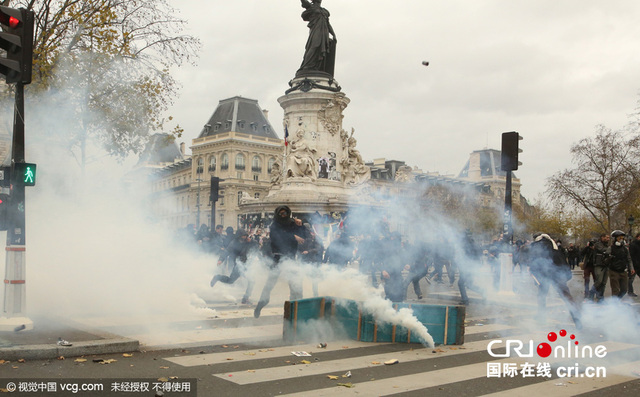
(400, 262)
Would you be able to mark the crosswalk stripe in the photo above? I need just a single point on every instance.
(161, 340)
(282, 351)
(342, 365)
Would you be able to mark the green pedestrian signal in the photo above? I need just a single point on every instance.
(25, 174)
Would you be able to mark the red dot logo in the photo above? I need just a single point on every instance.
(552, 336)
(563, 333)
(544, 350)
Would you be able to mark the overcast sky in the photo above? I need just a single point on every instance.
(551, 70)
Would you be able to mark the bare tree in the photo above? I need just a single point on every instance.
(108, 62)
(605, 179)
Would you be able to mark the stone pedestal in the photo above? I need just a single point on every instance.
(321, 169)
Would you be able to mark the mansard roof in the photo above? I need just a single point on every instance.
(238, 114)
(489, 164)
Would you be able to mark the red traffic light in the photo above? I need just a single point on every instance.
(14, 22)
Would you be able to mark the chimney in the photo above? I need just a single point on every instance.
(182, 148)
(266, 113)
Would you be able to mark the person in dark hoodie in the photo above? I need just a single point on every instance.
(549, 268)
(285, 234)
(340, 251)
(620, 265)
(237, 252)
(634, 250)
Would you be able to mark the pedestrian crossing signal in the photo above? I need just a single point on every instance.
(25, 174)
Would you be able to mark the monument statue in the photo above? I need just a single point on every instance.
(276, 173)
(404, 174)
(301, 161)
(319, 54)
(355, 170)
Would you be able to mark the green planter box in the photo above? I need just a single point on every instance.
(445, 323)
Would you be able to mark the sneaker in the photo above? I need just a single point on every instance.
(246, 301)
(258, 309)
(632, 294)
(419, 296)
(62, 342)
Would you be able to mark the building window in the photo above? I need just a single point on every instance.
(239, 197)
(200, 167)
(256, 177)
(224, 162)
(256, 164)
(212, 164)
(256, 195)
(272, 161)
(222, 219)
(239, 175)
(240, 161)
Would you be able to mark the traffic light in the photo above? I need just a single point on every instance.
(4, 211)
(25, 174)
(215, 188)
(17, 39)
(510, 151)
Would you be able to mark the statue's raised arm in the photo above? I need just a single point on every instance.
(319, 55)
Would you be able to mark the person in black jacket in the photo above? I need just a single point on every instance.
(634, 251)
(340, 251)
(620, 265)
(237, 252)
(600, 267)
(549, 268)
(395, 288)
(285, 233)
(419, 260)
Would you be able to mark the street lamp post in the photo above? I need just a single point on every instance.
(198, 205)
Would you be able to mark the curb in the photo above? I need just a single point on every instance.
(49, 351)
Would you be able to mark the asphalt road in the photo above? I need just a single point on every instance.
(347, 367)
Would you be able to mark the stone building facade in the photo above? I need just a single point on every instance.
(237, 145)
